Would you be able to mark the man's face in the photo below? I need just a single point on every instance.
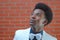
(37, 18)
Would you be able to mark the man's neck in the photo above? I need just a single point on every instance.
(36, 30)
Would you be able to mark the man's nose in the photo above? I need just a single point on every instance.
(33, 16)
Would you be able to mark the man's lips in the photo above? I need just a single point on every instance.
(32, 21)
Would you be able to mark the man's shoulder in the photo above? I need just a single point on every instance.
(21, 34)
(48, 36)
(22, 31)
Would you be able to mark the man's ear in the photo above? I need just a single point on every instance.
(45, 21)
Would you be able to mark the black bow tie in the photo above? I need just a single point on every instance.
(33, 38)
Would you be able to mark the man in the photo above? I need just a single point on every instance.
(41, 16)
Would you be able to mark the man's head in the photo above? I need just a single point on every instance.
(41, 16)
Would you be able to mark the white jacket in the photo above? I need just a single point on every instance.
(24, 35)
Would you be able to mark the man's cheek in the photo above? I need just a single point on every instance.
(41, 23)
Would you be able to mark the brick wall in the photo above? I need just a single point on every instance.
(15, 14)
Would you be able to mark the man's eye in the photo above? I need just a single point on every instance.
(38, 14)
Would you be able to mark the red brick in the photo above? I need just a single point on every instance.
(56, 25)
(4, 1)
(15, 1)
(57, 32)
(57, 2)
(3, 14)
(57, 10)
(20, 4)
(14, 14)
(3, 29)
(58, 36)
(58, 6)
(57, 29)
(8, 5)
(9, 18)
(4, 23)
(3, 9)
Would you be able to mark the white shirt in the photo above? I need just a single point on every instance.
(24, 35)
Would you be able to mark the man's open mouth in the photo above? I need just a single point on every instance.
(32, 22)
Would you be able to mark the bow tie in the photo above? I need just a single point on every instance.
(38, 36)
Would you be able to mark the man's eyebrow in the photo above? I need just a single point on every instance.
(38, 13)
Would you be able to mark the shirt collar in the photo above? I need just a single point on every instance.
(31, 31)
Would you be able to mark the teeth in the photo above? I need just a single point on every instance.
(32, 21)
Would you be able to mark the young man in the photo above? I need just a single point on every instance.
(41, 16)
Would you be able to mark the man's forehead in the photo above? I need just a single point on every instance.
(38, 11)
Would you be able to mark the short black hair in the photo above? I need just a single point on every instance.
(46, 9)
